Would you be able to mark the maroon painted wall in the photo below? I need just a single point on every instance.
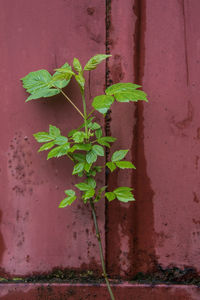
(155, 43)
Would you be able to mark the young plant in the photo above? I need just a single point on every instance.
(85, 144)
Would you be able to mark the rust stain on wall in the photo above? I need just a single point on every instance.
(144, 257)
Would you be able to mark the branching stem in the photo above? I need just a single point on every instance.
(85, 112)
(72, 103)
(101, 249)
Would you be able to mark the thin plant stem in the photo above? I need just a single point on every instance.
(90, 113)
(85, 113)
(101, 249)
(72, 103)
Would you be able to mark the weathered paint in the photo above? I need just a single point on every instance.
(35, 234)
(171, 126)
(154, 43)
(72, 291)
(162, 227)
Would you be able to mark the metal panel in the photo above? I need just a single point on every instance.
(36, 235)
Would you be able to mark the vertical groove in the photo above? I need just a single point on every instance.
(144, 253)
(107, 118)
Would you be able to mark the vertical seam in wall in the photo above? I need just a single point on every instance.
(107, 118)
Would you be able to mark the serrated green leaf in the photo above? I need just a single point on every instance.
(47, 146)
(131, 96)
(94, 61)
(79, 136)
(84, 147)
(79, 157)
(42, 137)
(38, 84)
(98, 133)
(91, 182)
(111, 166)
(81, 80)
(77, 65)
(110, 196)
(98, 150)
(43, 93)
(119, 155)
(37, 80)
(102, 103)
(82, 186)
(70, 193)
(79, 167)
(61, 140)
(59, 151)
(124, 194)
(88, 194)
(65, 70)
(121, 87)
(93, 126)
(54, 131)
(91, 157)
(68, 200)
(125, 165)
(72, 132)
(105, 140)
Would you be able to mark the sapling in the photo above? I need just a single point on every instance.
(85, 144)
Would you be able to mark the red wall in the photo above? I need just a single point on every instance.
(155, 43)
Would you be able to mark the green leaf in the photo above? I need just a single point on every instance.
(125, 165)
(81, 80)
(68, 200)
(99, 193)
(42, 137)
(65, 70)
(87, 167)
(38, 84)
(46, 146)
(98, 133)
(131, 96)
(121, 87)
(72, 132)
(84, 147)
(79, 167)
(70, 193)
(98, 150)
(54, 131)
(82, 186)
(91, 182)
(77, 65)
(59, 151)
(91, 157)
(98, 168)
(61, 140)
(93, 126)
(88, 194)
(110, 196)
(79, 136)
(105, 140)
(43, 93)
(124, 194)
(102, 103)
(37, 80)
(111, 166)
(79, 157)
(118, 155)
(94, 61)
